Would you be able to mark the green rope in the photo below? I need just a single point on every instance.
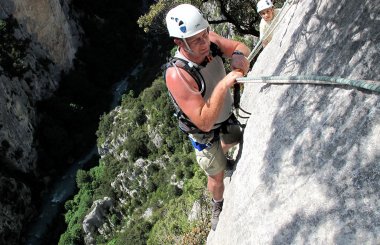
(310, 79)
(306, 79)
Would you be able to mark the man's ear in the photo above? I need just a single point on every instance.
(178, 42)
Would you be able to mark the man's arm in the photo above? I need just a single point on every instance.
(228, 47)
(185, 92)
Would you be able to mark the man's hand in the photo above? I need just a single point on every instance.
(231, 77)
(240, 62)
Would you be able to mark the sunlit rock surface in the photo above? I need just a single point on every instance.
(309, 169)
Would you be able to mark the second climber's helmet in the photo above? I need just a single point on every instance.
(264, 4)
(185, 21)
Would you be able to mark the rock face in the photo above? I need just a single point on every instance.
(12, 212)
(96, 219)
(53, 40)
(309, 169)
(53, 37)
(50, 23)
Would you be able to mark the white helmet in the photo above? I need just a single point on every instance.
(185, 21)
(264, 4)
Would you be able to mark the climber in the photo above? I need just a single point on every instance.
(200, 90)
(267, 11)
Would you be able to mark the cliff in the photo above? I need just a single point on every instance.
(50, 23)
(309, 168)
(40, 38)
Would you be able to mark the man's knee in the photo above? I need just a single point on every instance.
(216, 180)
(226, 147)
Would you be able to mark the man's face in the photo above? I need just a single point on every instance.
(200, 43)
(267, 14)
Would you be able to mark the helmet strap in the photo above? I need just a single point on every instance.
(188, 49)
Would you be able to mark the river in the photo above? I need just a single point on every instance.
(64, 187)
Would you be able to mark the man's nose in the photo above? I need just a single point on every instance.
(203, 40)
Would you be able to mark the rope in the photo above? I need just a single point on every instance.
(311, 79)
(305, 79)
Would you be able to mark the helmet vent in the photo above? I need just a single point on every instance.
(181, 25)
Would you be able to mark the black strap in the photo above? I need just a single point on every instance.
(193, 71)
(184, 122)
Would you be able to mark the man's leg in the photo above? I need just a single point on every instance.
(216, 187)
(230, 139)
(213, 162)
(226, 147)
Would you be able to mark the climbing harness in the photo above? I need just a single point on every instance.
(222, 128)
(184, 122)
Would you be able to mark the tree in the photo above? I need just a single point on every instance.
(245, 21)
(154, 21)
(82, 178)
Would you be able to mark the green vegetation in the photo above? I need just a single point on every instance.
(241, 14)
(149, 132)
(227, 11)
(12, 50)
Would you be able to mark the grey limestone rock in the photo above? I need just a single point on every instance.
(96, 218)
(309, 169)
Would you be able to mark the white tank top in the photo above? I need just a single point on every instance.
(212, 74)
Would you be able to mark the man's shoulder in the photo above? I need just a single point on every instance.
(177, 78)
(173, 73)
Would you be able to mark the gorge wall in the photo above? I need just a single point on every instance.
(309, 168)
(52, 38)
(50, 23)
